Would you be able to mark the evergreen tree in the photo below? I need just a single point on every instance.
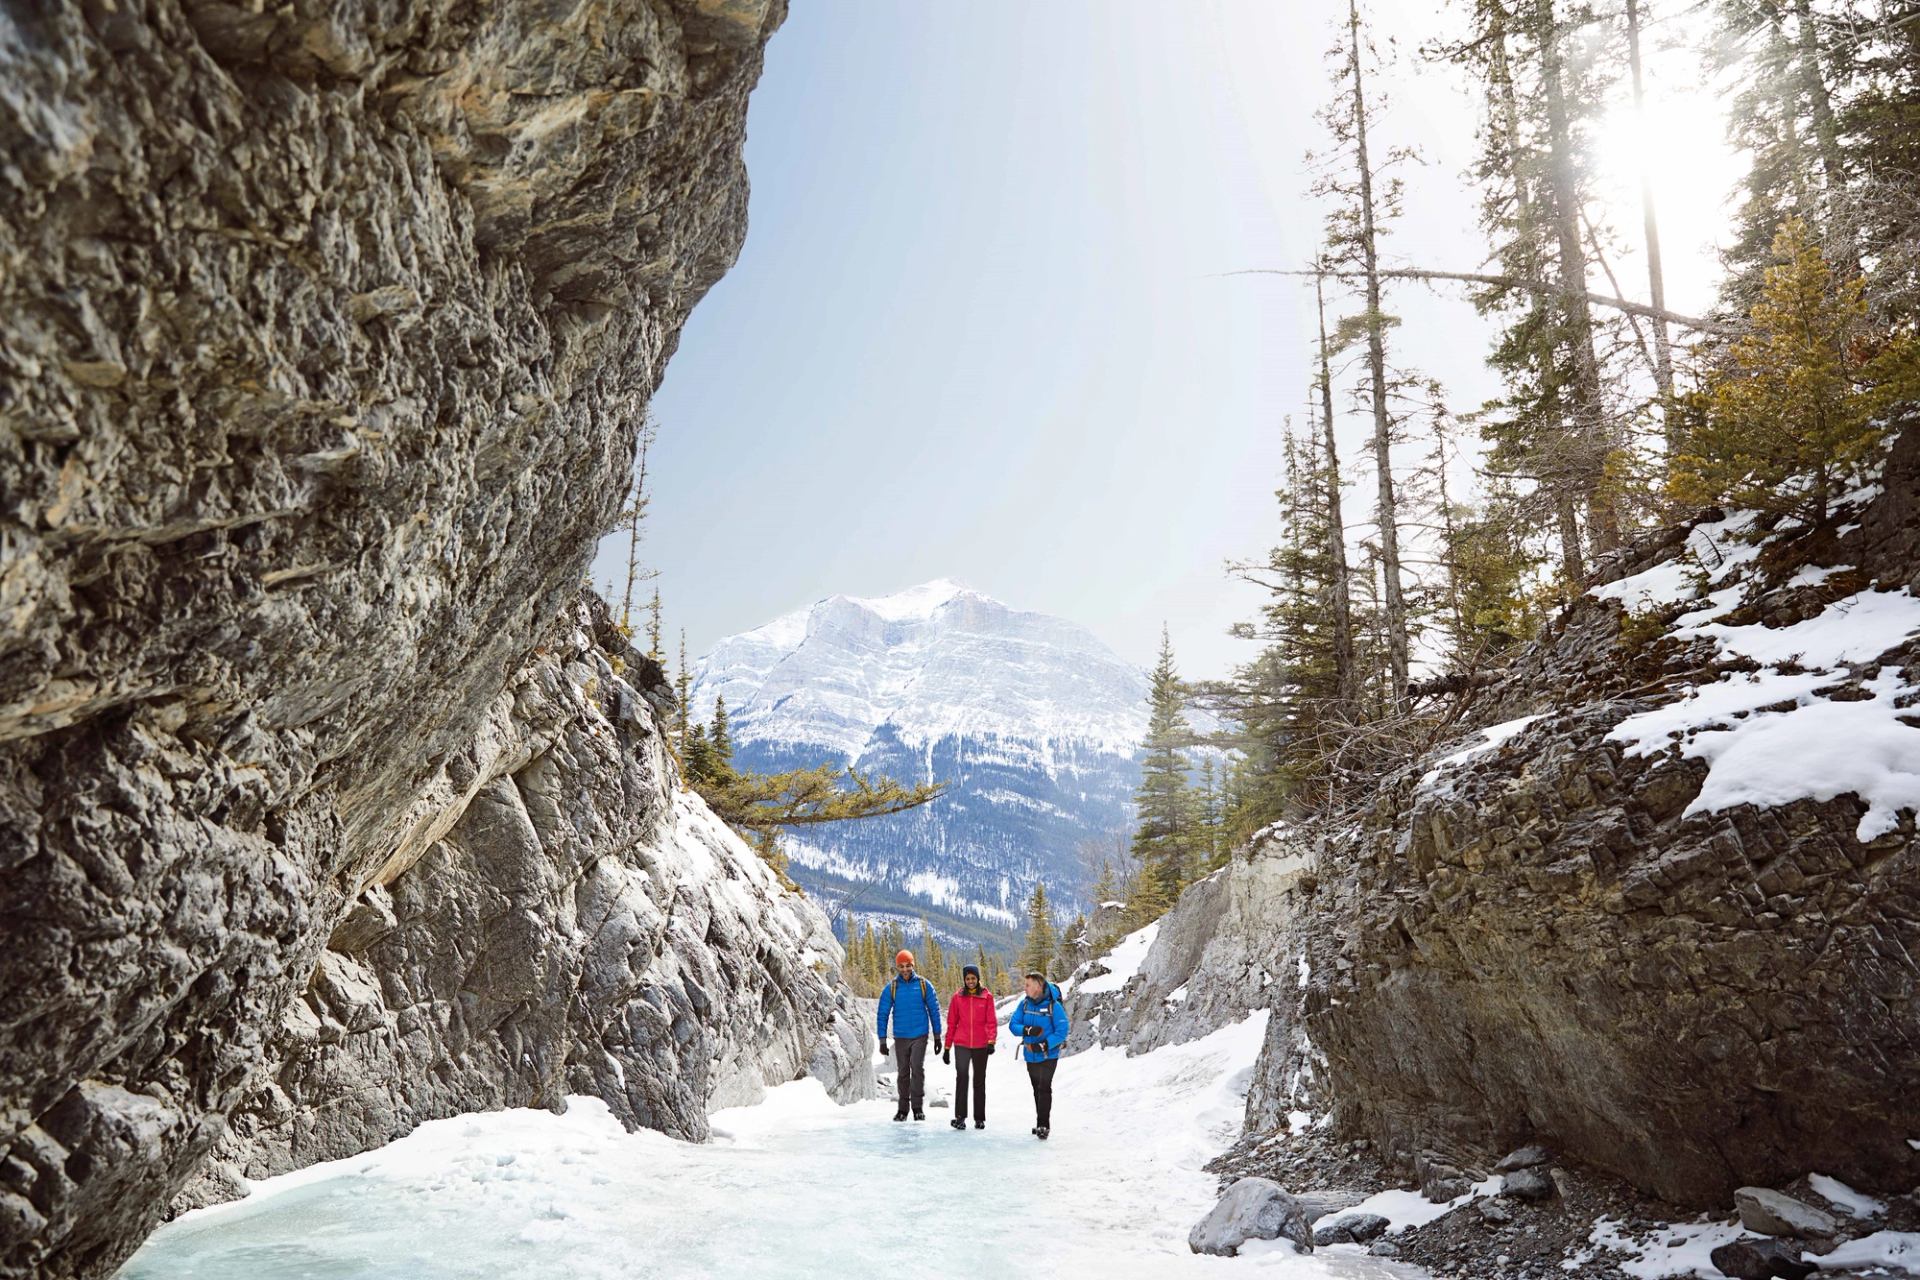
(698, 758)
(654, 649)
(1212, 847)
(1164, 838)
(1106, 887)
(720, 737)
(1043, 939)
(630, 520)
(1293, 703)
(1794, 411)
(1363, 207)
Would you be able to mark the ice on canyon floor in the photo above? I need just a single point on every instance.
(793, 1187)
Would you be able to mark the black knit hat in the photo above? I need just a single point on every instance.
(973, 969)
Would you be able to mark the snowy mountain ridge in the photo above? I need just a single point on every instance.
(928, 663)
(1033, 722)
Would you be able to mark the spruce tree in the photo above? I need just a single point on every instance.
(1363, 206)
(1043, 939)
(654, 649)
(1794, 411)
(1164, 837)
(698, 757)
(720, 737)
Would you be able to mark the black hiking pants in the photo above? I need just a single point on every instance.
(970, 1062)
(910, 1063)
(1041, 1074)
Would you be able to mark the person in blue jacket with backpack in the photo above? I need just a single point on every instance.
(1040, 1020)
(910, 1001)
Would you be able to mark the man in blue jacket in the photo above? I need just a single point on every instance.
(914, 1007)
(1040, 1020)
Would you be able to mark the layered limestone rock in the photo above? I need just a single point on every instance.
(1539, 939)
(1228, 947)
(325, 330)
(584, 926)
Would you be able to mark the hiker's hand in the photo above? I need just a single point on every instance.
(946, 1057)
(883, 1048)
(938, 1047)
(990, 1044)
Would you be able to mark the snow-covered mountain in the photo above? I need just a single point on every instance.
(1034, 723)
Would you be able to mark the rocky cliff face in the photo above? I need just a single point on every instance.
(1663, 912)
(584, 926)
(324, 333)
(1658, 911)
(1233, 944)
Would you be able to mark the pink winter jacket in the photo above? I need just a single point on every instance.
(971, 1021)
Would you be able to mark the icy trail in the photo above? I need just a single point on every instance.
(794, 1187)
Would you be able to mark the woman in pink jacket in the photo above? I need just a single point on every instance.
(972, 1029)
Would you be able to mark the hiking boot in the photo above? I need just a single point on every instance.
(957, 1123)
(918, 1114)
(979, 1124)
(901, 1114)
(1040, 1132)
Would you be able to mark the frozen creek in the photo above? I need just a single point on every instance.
(793, 1187)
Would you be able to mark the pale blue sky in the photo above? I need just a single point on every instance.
(977, 330)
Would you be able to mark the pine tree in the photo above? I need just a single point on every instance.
(720, 738)
(1793, 412)
(1212, 846)
(1106, 886)
(1552, 426)
(1339, 580)
(1292, 703)
(1043, 939)
(629, 521)
(697, 756)
(1163, 840)
(654, 649)
(1363, 208)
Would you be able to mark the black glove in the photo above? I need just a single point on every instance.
(938, 1047)
(946, 1057)
(883, 1048)
(989, 1047)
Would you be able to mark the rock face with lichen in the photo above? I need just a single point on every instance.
(325, 331)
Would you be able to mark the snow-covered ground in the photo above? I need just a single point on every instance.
(793, 1187)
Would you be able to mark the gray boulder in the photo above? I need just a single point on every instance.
(1252, 1209)
(1773, 1214)
(1761, 1260)
(1352, 1228)
(1525, 1158)
(1527, 1184)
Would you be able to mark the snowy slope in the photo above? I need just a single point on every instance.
(1034, 722)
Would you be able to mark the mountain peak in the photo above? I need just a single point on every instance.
(915, 604)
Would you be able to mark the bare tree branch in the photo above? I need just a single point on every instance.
(1699, 324)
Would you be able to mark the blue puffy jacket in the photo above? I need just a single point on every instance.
(1048, 1016)
(915, 1011)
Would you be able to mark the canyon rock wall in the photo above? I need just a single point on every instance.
(1540, 937)
(584, 926)
(325, 332)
